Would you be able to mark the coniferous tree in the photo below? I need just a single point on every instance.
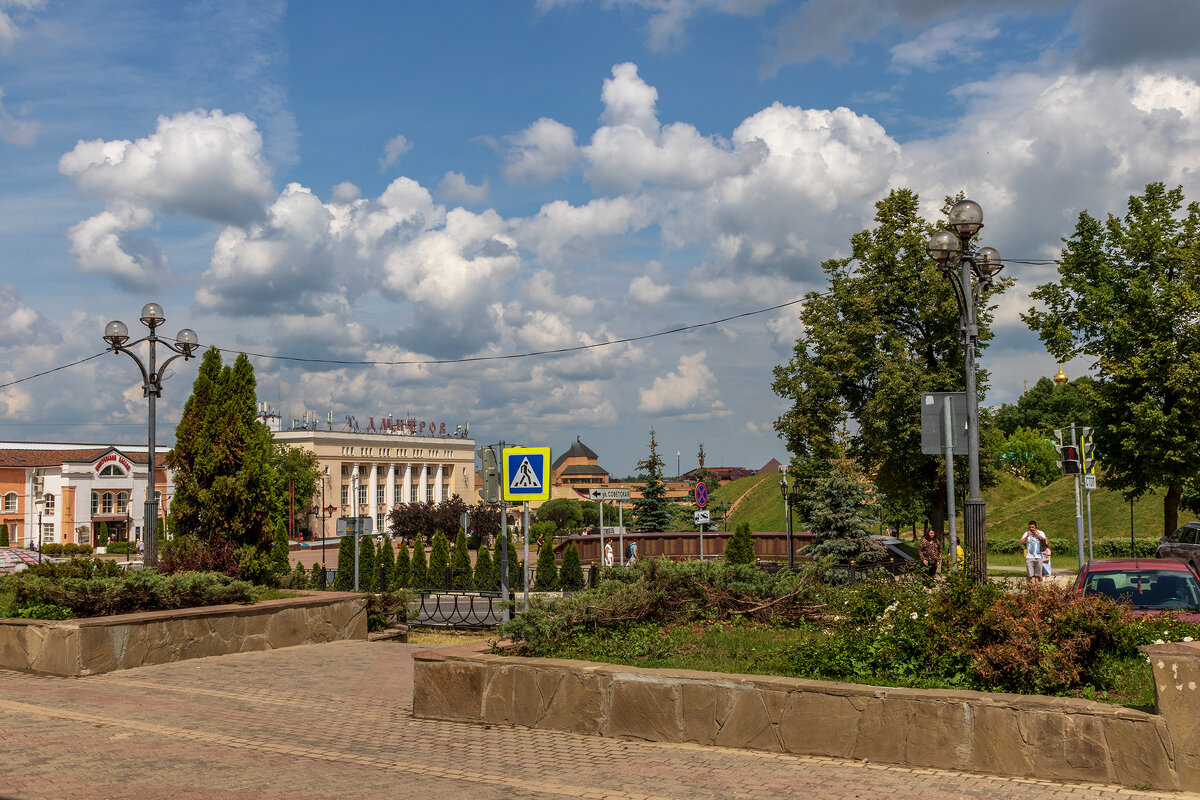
(439, 559)
(299, 578)
(385, 565)
(486, 577)
(192, 438)
(652, 511)
(400, 572)
(545, 576)
(4, 534)
(102, 537)
(418, 571)
(316, 579)
(570, 578)
(460, 562)
(366, 564)
(841, 510)
(343, 581)
(739, 548)
(279, 552)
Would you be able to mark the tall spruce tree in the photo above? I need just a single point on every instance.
(652, 511)
(192, 438)
(570, 577)
(486, 577)
(400, 573)
(385, 566)
(460, 562)
(366, 563)
(545, 574)
(280, 550)
(841, 510)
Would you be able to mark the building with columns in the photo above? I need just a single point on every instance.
(368, 473)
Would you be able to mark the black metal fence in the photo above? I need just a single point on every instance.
(455, 603)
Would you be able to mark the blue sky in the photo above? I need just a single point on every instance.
(387, 182)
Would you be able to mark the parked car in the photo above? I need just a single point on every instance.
(1183, 544)
(1150, 585)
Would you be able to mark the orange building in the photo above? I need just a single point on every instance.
(82, 486)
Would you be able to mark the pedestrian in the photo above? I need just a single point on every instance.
(930, 551)
(1034, 542)
(632, 554)
(608, 554)
(1046, 562)
(139, 545)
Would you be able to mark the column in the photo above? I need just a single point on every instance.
(389, 492)
(422, 494)
(437, 485)
(354, 491)
(407, 484)
(373, 493)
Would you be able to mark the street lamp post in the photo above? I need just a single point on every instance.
(116, 333)
(976, 269)
(787, 515)
(39, 500)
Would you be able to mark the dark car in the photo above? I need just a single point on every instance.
(1150, 585)
(1183, 544)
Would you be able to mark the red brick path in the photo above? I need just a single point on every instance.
(333, 721)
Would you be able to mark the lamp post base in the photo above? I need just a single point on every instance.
(975, 538)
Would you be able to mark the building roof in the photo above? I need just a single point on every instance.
(52, 458)
(577, 450)
(584, 469)
(771, 466)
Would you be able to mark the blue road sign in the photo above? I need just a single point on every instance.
(526, 473)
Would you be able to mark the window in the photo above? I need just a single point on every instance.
(95, 503)
(122, 502)
(47, 531)
(345, 470)
(429, 493)
(380, 522)
(48, 503)
(380, 494)
(412, 493)
(345, 495)
(362, 494)
(106, 506)
(10, 501)
(446, 490)
(1187, 535)
(398, 492)
(110, 471)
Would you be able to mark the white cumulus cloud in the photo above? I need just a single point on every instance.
(690, 391)
(397, 146)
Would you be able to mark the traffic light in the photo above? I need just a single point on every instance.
(491, 475)
(1089, 452)
(1068, 459)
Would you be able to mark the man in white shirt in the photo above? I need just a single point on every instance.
(1034, 542)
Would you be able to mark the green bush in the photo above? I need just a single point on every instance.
(102, 535)
(385, 566)
(104, 593)
(343, 581)
(316, 578)
(739, 548)
(418, 571)
(545, 574)
(366, 564)
(280, 550)
(384, 607)
(4, 534)
(400, 572)
(193, 554)
(487, 577)
(570, 578)
(255, 566)
(66, 549)
(297, 578)
(460, 563)
(439, 560)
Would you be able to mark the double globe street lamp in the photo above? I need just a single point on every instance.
(971, 272)
(116, 333)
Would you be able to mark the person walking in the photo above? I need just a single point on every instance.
(608, 554)
(1035, 543)
(930, 551)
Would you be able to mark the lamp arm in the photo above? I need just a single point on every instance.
(125, 349)
(162, 368)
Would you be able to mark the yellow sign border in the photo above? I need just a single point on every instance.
(545, 476)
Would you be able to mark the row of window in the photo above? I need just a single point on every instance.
(103, 502)
(394, 452)
(10, 503)
(397, 489)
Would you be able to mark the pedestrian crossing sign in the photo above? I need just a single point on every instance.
(526, 473)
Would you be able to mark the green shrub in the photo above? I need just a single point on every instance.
(255, 566)
(460, 563)
(104, 593)
(193, 554)
(400, 571)
(102, 535)
(385, 566)
(739, 548)
(418, 571)
(316, 578)
(570, 578)
(439, 560)
(385, 607)
(297, 578)
(487, 578)
(343, 580)
(366, 564)
(4, 534)
(279, 550)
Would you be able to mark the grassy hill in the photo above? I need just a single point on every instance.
(762, 507)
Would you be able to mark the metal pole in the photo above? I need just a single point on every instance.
(787, 514)
(150, 513)
(1091, 555)
(948, 442)
(621, 521)
(525, 566)
(602, 532)
(1078, 511)
(506, 614)
(356, 538)
(974, 510)
(621, 540)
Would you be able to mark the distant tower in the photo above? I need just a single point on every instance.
(1060, 377)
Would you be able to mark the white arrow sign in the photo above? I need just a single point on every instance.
(609, 494)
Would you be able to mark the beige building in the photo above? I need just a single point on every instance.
(369, 473)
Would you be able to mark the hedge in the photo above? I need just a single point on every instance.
(68, 549)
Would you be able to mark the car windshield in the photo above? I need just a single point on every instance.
(1147, 588)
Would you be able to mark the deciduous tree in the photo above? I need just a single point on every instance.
(1127, 297)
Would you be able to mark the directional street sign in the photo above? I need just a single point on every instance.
(701, 495)
(702, 517)
(609, 494)
(525, 473)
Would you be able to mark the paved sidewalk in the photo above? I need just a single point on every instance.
(334, 721)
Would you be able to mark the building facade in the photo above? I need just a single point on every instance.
(369, 473)
(82, 487)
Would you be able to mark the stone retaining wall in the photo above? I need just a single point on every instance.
(94, 645)
(1002, 734)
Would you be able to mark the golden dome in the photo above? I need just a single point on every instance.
(1060, 377)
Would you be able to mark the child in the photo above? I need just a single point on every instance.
(1046, 562)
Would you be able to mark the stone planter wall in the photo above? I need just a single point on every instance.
(1002, 734)
(77, 647)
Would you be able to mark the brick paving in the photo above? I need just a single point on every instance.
(334, 721)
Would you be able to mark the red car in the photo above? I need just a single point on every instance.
(1150, 584)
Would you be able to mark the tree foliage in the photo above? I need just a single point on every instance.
(487, 576)
(418, 569)
(385, 566)
(739, 548)
(1047, 406)
(400, 572)
(652, 511)
(460, 562)
(367, 565)
(842, 510)
(1127, 295)
(570, 577)
(564, 512)
(280, 549)
(439, 560)
(412, 520)
(545, 574)
(1031, 455)
(884, 332)
(343, 581)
